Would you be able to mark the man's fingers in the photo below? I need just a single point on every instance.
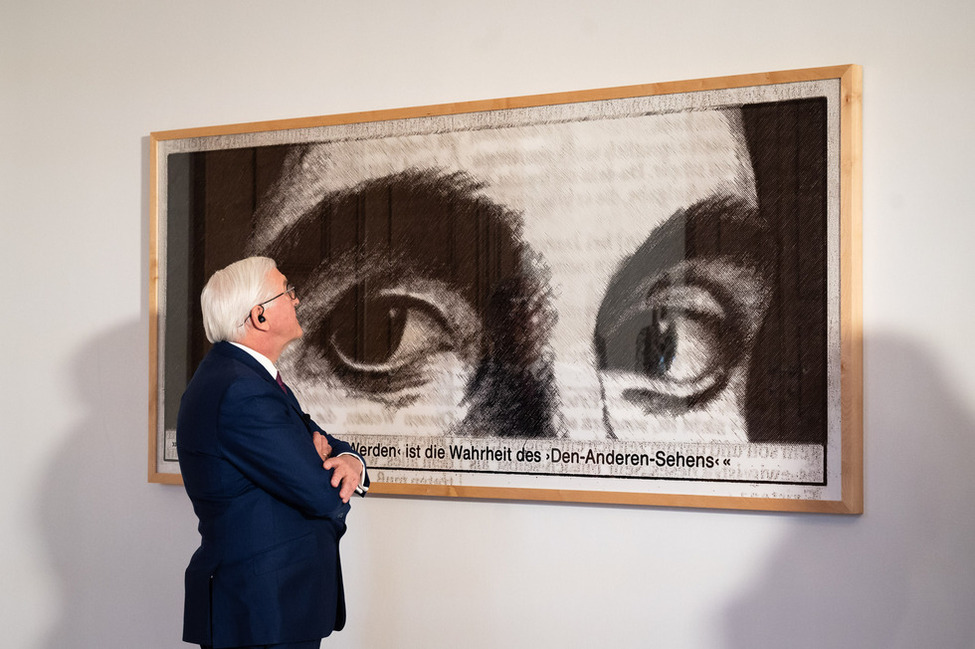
(321, 445)
(345, 474)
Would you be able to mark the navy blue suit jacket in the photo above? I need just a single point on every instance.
(267, 570)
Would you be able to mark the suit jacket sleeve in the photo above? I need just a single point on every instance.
(340, 447)
(268, 441)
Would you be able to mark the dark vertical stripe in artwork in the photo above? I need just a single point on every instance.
(787, 382)
(197, 347)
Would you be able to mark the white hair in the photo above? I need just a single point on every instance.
(231, 293)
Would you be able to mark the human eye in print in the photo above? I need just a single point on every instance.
(397, 342)
(422, 313)
(676, 326)
(674, 347)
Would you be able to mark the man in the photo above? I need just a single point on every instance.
(271, 512)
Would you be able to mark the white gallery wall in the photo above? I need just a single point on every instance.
(91, 555)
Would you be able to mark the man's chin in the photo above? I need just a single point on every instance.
(294, 338)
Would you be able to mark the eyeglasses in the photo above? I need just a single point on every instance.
(290, 292)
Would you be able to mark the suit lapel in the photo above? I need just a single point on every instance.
(241, 356)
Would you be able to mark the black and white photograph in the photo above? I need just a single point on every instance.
(632, 298)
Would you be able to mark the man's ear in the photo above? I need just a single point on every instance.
(258, 319)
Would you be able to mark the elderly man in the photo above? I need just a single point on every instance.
(269, 487)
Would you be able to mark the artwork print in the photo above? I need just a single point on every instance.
(631, 296)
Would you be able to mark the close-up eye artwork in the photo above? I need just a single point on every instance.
(634, 290)
(679, 349)
(394, 343)
(415, 309)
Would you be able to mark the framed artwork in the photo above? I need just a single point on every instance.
(642, 295)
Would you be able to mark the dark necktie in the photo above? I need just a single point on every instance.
(281, 383)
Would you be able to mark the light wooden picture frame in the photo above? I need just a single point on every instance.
(645, 295)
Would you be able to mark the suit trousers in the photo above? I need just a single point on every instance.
(312, 644)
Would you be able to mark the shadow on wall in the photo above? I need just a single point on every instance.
(902, 575)
(117, 543)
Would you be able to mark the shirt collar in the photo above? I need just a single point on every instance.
(260, 358)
